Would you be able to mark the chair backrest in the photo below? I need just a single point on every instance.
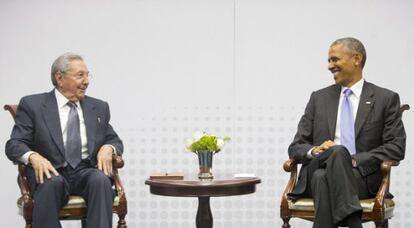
(404, 107)
(11, 108)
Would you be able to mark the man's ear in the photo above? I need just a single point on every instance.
(358, 60)
(58, 77)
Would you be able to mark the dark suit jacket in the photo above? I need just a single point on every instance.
(379, 131)
(37, 128)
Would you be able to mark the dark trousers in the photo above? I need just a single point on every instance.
(86, 181)
(336, 187)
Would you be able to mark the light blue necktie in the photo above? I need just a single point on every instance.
(347, 123)
(73, 140)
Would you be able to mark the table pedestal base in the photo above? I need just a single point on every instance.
(204, 217)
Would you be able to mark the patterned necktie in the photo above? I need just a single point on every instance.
(73, 140)
(347, 123)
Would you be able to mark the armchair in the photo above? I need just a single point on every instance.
(377, 210)
(76, 207)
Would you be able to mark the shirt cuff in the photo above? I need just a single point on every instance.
(309, 154)
(25, 157)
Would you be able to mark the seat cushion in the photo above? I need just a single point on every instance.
(306, 204)
(74, 202)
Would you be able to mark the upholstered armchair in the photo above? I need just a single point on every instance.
(377, 210)
(75, 209)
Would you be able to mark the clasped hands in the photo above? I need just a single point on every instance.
(42, 167)
(324, 146)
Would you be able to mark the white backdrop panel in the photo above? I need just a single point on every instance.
(168, 68)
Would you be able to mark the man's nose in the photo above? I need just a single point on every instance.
(86, 80)
(330, 65)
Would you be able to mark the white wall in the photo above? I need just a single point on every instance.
(241, 68)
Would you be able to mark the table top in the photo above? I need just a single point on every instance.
(203, 188)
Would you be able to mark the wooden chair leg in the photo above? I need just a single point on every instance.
(121, 221)
(383, 224)
(83, 221)
(286, 222)
(28, 223)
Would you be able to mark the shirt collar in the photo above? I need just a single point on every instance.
(355, 88)
(62, 100)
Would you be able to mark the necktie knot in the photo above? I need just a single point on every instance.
(347, 93)
(72, 104)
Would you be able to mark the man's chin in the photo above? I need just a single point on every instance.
(80, 96)
(337, 81)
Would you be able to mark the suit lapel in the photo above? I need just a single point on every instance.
(51, 117)
(331, 107)
(90, 117)
(366, 102)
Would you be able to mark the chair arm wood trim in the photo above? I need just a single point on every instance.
(378, 210)
(122, 207)
(26, 195)
(117, 162)
(289, 166)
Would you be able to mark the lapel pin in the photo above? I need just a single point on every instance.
(368, 102)
(99, 119)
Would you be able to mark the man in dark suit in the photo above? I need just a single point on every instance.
(67, 143)
(347, 130)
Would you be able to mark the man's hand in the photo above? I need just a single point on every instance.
(324, 146)
(104, 158)
(42, 167)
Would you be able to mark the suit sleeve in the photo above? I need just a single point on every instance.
(111, 137)
(303, 140)
(393, 139)
(21, 139)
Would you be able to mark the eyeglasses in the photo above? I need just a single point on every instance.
(80, 75)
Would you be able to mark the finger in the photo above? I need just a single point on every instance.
(105, 168)
(53, 170)
(41, 175)
(100, 165)
(37, 176)
(110, 168)
(47, 173)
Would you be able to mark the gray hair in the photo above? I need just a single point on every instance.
(354, 46)
(61, 64)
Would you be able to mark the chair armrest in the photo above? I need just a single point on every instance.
(117, 162)
(291, 167)
(385, 183)
(23, 182)
(26, 197)
(11, 108)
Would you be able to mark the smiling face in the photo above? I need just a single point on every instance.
(74, 82)
(344, 65)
